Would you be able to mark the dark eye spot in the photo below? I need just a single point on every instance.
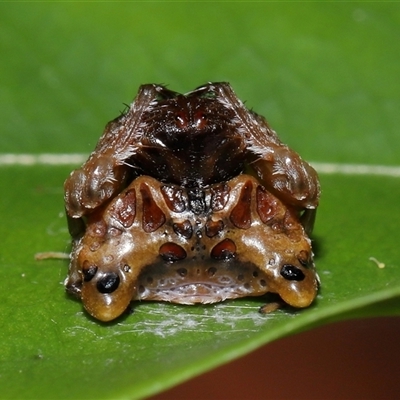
(108, 283)
(213, 228)
(153, 217)
(224, 250)
(292, 273)
(89, 272)
(183, 229)
(182, 271)
(172, 252)
(219, 196)
(174, 198)
(241, 213)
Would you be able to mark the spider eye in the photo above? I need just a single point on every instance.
(200, 120)
(181, 120)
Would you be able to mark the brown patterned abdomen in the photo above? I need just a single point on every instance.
(162, 242)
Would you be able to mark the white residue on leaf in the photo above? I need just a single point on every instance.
(221, 318)
(165, 320)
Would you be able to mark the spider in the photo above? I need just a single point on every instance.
(190, 198)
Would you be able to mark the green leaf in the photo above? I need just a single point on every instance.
(327, 82)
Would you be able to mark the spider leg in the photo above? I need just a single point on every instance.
(106, 171)
(278, 167)
(76, 226)
(307, 219)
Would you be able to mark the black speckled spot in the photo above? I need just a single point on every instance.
(89, 272)
(292, 273)
(197, 203)
(108, 283)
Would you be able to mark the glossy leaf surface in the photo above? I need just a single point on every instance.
(327, 82)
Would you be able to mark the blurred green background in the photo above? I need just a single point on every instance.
(325, 75)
